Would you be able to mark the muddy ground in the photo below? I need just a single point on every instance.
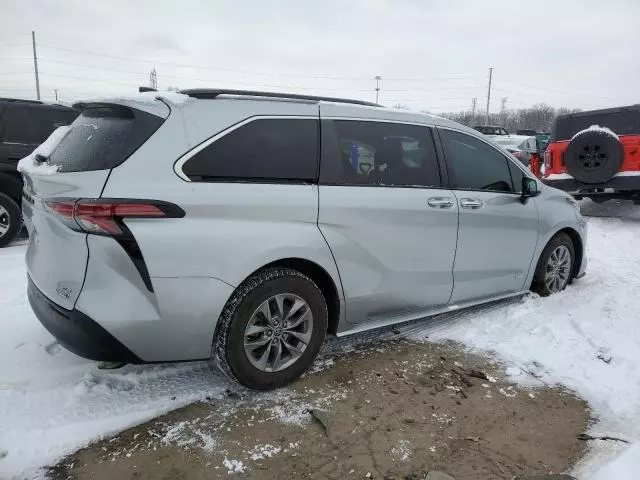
(396, 410)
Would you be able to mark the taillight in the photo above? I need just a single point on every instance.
(64, 211)
(548, 160)
(104, 216)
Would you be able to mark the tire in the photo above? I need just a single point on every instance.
(540, 283)
(593, 157)
(11, 217)
(229, 351)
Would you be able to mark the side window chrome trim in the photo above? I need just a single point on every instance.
(179, 163)
(379, 120)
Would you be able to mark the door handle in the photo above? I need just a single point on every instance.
(440, 202)
(471, 203)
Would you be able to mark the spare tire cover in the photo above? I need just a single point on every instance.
(593, 156)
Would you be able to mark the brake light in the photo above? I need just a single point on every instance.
(104, 216)
(548, 160)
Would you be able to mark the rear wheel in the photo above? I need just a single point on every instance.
(271, 329)
(10, 220)
(555, 266)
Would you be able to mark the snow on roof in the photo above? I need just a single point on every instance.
(596, 128)
(29, 164)
(151, 102)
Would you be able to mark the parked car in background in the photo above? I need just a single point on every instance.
(24, 124)
(527, 132)
(596, 154)
(520, 146)
(542, 140)
(491, 130)
(245, 226)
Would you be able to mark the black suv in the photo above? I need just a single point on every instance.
(24, 124)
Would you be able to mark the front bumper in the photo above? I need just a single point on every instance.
(76, 331)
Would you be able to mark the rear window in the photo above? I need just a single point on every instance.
(623, 121)
(102, 138)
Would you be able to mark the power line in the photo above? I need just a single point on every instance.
(200, 66)
(537, 87)
(247, 72)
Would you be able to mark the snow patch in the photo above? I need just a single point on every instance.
(625, 467)
(402, 451)
(29, 164)
(596, 128)
(260, 452)
(150, 98)
(233, 466)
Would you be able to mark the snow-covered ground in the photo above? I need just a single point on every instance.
(52, 402)
(587, 338)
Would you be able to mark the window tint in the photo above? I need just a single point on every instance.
(32, 125)
(378, 154)
(265, 149)
(475, 165)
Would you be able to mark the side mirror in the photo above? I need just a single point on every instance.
(529, 189)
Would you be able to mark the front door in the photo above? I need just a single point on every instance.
(391, 227)
(497, 234)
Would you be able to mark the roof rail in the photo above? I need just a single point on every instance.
(4, 99)
(211, 93)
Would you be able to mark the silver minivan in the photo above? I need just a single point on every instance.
(246, 226)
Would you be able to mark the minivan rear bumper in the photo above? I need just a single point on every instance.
(77, 332)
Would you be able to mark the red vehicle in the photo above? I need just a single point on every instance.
(596, 154)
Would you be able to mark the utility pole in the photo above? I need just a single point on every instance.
(489, 95)
(503, 111)
(56, 92)
(377, 78)
(35, 63)
(153, 79)
(474, 101)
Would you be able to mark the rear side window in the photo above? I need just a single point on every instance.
(102, 138)
(274, 149)
(474, 164)
(32, 124)
(378, 154)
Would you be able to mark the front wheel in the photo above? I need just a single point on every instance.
(271, 329)
(555, 266)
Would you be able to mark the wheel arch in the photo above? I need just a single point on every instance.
(578, 248)
(321, 278)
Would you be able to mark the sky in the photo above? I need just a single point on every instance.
(431, 54)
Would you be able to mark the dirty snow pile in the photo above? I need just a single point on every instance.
(29, 164)
(586, 338)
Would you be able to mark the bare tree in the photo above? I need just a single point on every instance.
(538, 117)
